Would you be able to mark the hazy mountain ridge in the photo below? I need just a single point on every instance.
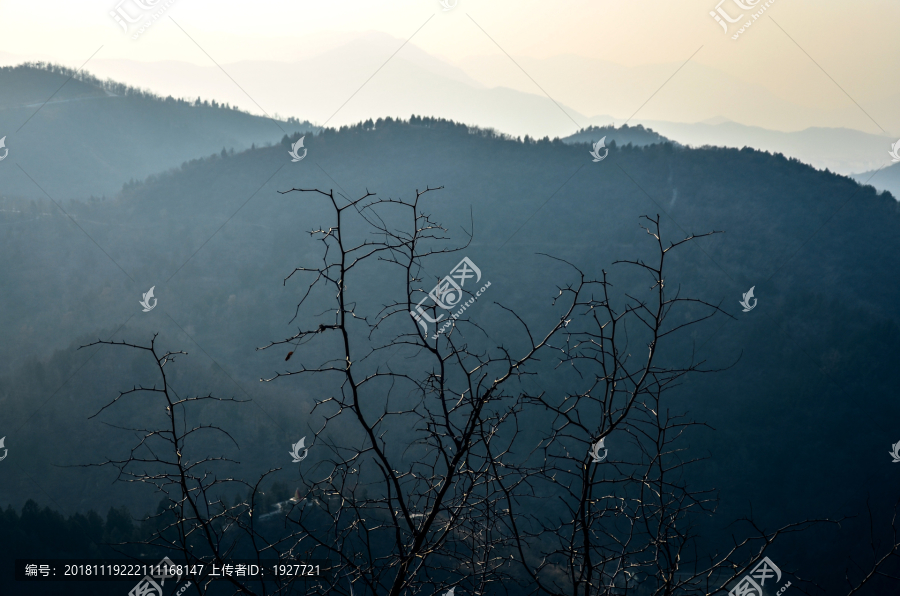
(494, 93)
(606, 87)
(885, 179)
(841, 150)
(116, 133)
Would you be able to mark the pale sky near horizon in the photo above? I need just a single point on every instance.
(851, 42)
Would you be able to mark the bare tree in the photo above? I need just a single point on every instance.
(885, 561)
(438, 460)
(194, 523)
(621, 521)
(412, 494)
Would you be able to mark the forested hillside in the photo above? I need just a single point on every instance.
(808, 367)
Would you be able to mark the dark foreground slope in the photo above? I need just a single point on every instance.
(802, 414)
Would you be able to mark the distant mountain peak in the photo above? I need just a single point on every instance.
(716, 120)
(636, 135)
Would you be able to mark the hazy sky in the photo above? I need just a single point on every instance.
(853, 43)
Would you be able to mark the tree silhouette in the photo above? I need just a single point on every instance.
(552, 464)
